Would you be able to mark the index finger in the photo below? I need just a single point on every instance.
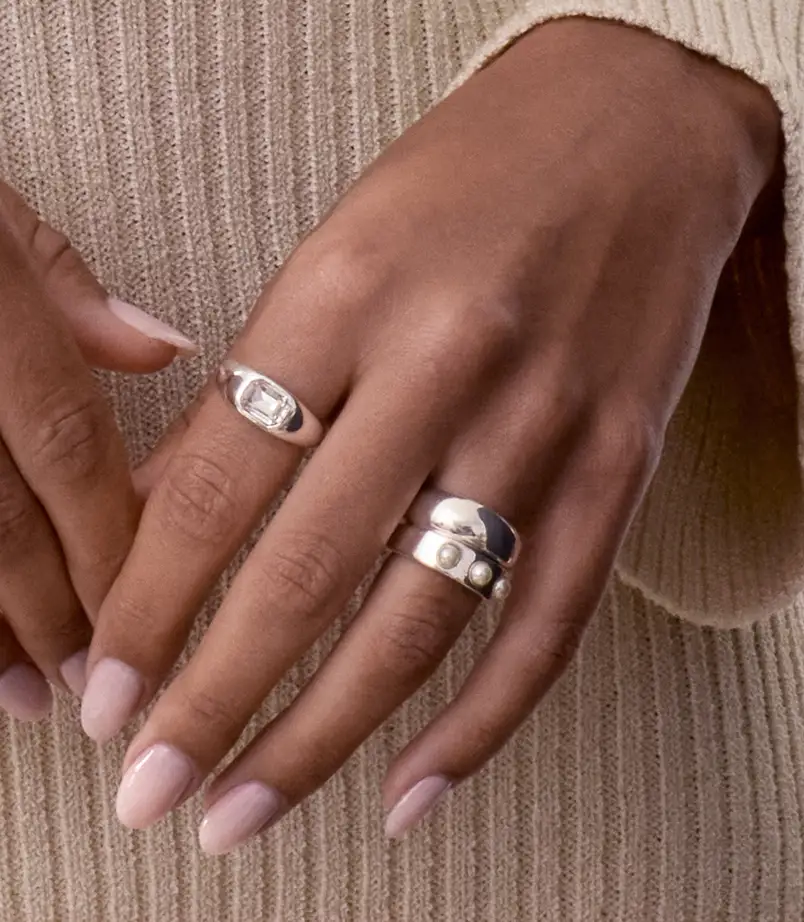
(216, 477)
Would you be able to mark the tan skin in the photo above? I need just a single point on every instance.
(68, 510)
(508, 305)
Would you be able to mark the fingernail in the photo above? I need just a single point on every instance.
(152, 327)
(415, 805)
(154, 785)
(238, 815)
(112, 695)
(25, 693)
(74, 672)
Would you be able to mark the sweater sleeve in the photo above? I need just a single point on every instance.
(719, 539)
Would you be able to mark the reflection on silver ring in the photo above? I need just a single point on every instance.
(467, 521)
(470, 567)
(268, 405)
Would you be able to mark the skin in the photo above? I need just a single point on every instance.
(68, 510)
(507, 305)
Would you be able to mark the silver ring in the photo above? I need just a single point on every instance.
(268, 405)
(467, 521)
(469, 566)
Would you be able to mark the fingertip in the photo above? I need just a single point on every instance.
(25, 693)
(411, 808)
(112, 697)
(117, 336)
(73, 672)
(152, 327)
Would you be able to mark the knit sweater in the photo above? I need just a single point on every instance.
(186, 146)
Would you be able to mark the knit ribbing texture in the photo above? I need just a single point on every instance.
(186, 146)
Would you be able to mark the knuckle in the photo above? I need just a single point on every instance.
(343, 269)
(307, 569)
(135, 618)
(417, 635)
(17, 515)
(72, 438)
(199, 498)
(211, 713)
(625, 444)
(483, 331)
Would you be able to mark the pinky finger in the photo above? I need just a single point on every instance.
(558, 588)
(24, 692)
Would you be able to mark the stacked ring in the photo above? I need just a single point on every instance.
(462, 539)
(467, 521)
(469, 566)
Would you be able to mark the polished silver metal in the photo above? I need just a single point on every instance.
(469, 566)
(268, 405)
(468, 522)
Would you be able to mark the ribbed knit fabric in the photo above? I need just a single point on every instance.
(186, 146)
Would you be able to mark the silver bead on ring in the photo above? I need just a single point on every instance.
(472, 568)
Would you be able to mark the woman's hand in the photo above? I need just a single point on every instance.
(507, 305)
(67, 506)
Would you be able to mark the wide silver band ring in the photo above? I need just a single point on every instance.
(467, 521)
(268, 405)
(469, 566)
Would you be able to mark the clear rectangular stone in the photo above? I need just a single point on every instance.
(268, 406)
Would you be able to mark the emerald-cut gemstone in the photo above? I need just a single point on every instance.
(269, 406)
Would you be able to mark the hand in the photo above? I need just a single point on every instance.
(507, 305)
(67, 506)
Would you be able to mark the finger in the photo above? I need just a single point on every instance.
(24, 693)
(119, 336)
(62, 435)
(153, 468)
(409, 622)
(36, 596)
(322, 542)
(560, 580)
(276, 319)
(218, 481)
(110, 333)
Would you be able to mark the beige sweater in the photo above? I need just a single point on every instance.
(186, 146)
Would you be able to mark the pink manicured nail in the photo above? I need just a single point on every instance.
(414, 805)
(25, 693)
(74, 672)
(238, 815)
(151, 327)
(154, 785)
(111, 699)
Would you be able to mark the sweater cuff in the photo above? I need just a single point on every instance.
(719, 539)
